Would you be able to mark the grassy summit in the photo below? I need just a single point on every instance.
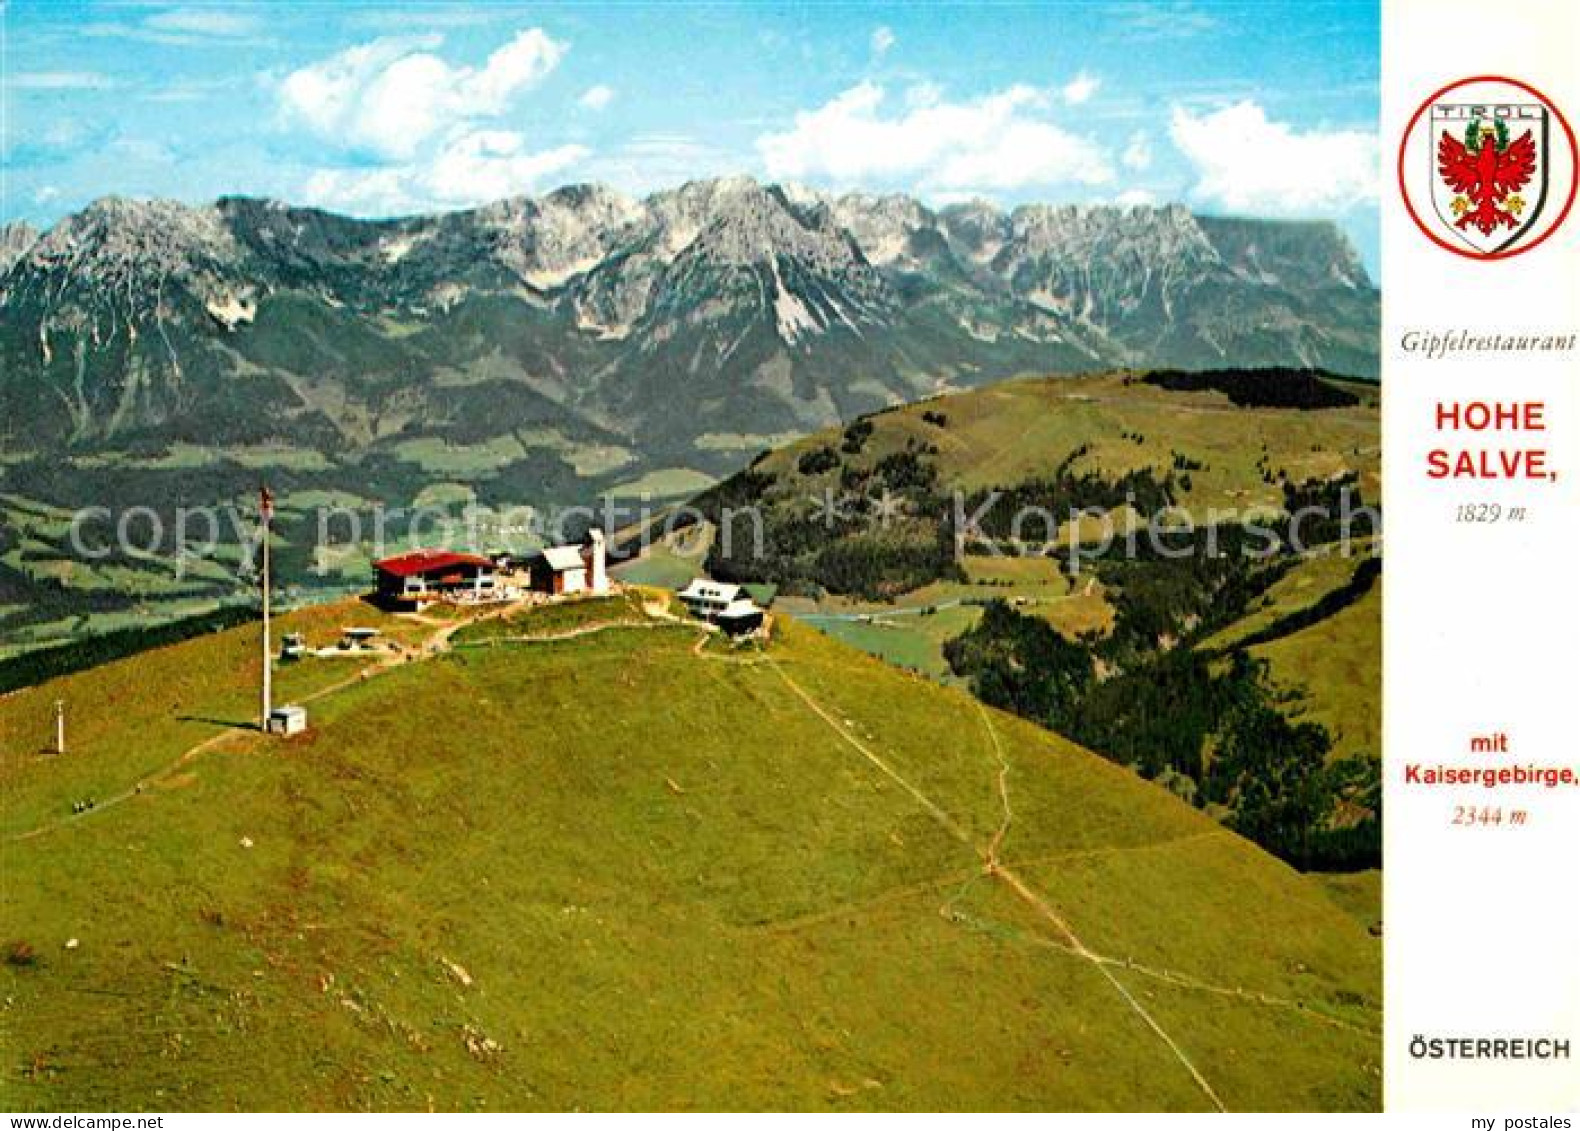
(590, 862)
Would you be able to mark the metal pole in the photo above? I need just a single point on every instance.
(263, 721)
(60, 726)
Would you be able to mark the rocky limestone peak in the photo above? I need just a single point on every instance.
(1287, 252)
(1042, 225)
(732, 253)
(805, 196)
(547, 241)
(120, 262)
(142, 237)
(16, 239)
(1102, 263)
(679, 214)
(1164, 239)
(883, 226)
(976, 229)
(748, 223)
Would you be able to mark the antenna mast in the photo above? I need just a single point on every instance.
(265, 513)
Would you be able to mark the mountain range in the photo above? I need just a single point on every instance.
(679, 328)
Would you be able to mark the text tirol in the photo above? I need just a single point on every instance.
(1481, 417)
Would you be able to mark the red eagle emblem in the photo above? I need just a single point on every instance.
(1487, 167)
(1486, 171)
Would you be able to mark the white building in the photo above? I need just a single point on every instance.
(707, 599)
(410, 581)
(563, 570)
(723, 604)
(289, 719)
(597, 565)
(560, 570)
(740, 617)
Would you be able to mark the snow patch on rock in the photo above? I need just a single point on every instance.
(791, 316)
(231, 311)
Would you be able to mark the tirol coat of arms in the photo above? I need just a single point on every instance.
(1487, 168)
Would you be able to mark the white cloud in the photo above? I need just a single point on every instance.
(1081, 88)
(597, 97)
(1245, 162)
(882, 40)
(189, 90)
(650, 161)
(362, 192)
(1134, 197)
(444, 13)
(57, 80)
(435, 127)
(329, 97)
(192, 26)
(203, 22)
(1151, 20)
(1138, 152)
(490, 164)
(390, 96)
(473, 168)
(1001, 141)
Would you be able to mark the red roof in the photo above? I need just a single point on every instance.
(427, 561)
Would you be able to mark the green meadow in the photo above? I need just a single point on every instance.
(1013, 431)
(1334, 668)
(616, 869)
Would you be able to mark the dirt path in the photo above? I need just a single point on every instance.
(1068, 942)
(569, 634)
(793, 923)
(964, 876)
(434, 644)
(882, 613)
(1187, 981)
(949, 824)
(1011, 879)
(1120, 849)
(1003, 786)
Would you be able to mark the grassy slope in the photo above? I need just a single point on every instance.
(670, 561)
(671, 881)
(126, 721)
(896, 633)
(1336, 666)
(1017, 430)
(1301, 587)
(1021, 429)
(907, 640)
(1359, 893)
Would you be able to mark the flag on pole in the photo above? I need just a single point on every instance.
(265, 514)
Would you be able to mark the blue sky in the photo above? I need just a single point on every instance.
(1264, 109)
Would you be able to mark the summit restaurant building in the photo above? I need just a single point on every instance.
(410, 581)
